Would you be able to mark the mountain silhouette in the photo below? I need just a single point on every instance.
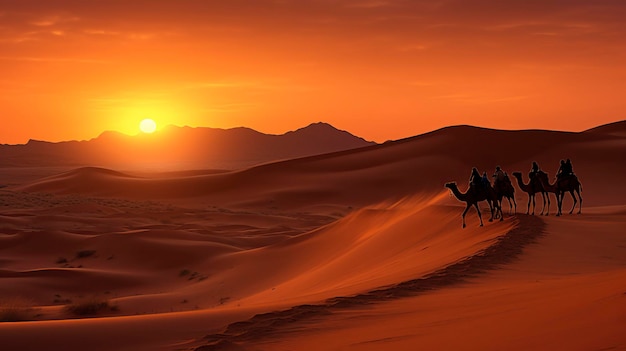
(416, 165)
(183, 148)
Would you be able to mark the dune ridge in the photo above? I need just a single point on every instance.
(505, 249)
(251, 258)
(391, 170)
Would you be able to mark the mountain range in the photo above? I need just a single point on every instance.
(395, 169)
(183, 148)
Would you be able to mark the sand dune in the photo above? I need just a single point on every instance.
(360, 250)
(392, 170)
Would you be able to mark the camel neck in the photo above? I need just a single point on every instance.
(547, 186)
(520, 182)
(458, 194)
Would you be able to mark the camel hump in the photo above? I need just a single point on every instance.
(568, 180)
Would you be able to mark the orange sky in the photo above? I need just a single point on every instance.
(380, 69)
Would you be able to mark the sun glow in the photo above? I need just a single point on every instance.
(147, 125)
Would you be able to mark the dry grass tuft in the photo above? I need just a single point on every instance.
(91, 307)
(16, 310)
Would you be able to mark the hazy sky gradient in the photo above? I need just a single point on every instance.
(380, 69)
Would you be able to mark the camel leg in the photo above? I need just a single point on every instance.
(464, 212)
(580, 209)
(528, 207)
(559, 201)
(543, 204)
(479, 215)
(571, 192)
(490, 209)
(534, 205)
(496, 209)
(548, 210)
(515, 205)
(498, 214)
(510, 205)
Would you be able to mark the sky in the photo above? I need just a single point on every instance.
(383, 70)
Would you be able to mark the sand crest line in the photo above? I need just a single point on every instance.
(507, 248)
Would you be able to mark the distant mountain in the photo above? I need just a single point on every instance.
(183, 148)
(417, 165)
(615, 128)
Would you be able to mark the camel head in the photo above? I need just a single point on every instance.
(451, 185)
(517, 175)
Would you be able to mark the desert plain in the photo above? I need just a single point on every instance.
(360, 249)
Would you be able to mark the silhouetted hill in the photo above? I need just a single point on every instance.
(395, 169)
(616, 128)
(183, 148)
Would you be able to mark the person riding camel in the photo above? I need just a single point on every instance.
(534, 170)
(565, 169)
(562, 166)
(485, 181)
(569, 169)
(499, 175)
(475, 179)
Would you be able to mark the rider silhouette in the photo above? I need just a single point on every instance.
(565, 169)
(475, 178)
(499, 174)
(485, 181)
(534, 170)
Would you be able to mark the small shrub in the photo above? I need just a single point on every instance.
(15, 310)
(61, 260)
(184, 272)
(90, 307)
(85, 253)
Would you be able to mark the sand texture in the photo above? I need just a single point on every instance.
(353, 250)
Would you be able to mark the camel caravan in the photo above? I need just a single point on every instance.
(481, 189)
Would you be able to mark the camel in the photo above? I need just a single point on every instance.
(471, 197)
(532, 188)
(566, 184)
(505, 189)
(541, 175)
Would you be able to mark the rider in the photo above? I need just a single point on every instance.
(561, 170)
(485, 181)
(569, 169)
(499, 174)
(565, 169)
(475, 178)
(534, 170)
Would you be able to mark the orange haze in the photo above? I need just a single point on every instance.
(71, 69)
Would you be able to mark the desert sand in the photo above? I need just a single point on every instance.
(354, 250)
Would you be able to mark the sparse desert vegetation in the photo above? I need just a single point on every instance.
(85, 253)
(91, 307)
(16, 310)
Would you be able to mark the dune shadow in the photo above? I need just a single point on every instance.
(506, 249)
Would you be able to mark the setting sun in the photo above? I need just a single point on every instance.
(147, 125)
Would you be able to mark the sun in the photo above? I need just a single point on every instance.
(147, 125)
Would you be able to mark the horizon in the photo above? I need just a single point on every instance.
(160, 129)
(382, 70)
(283, 174)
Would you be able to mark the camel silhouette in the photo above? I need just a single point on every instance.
(505, 189)
(472, 197)
(569, 184)
(533, 187)
(540, 176)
